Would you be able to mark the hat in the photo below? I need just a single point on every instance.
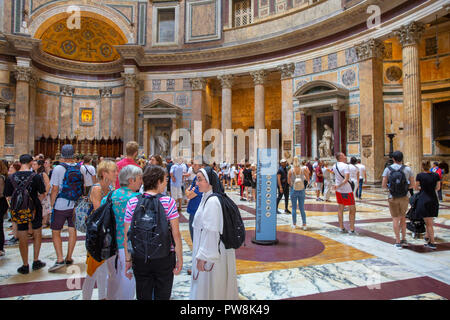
(283, 160)
(67, 151)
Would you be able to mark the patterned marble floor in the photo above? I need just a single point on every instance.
(320, 263)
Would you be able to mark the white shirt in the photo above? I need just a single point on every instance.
(362, 170)
(57, 180)
(233, 172)
(343, 169)
(88, 171)
(354, 172)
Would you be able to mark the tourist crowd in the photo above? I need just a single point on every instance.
(41, 193)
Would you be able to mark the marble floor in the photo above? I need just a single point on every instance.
(319, 263)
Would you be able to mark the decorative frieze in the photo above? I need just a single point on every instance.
(287, 70)
(410, 34)
(372, 48)
(226, 81)
(67, 90)
(105, 92)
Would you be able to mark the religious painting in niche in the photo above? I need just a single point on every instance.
(325, 136)
(353, 129)
(86, 117)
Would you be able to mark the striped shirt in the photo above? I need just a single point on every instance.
(168, 203)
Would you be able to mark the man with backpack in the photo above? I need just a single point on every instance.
(67, 187)
(395, 178)
(23, 188)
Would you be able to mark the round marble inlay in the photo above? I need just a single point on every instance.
(291, 246)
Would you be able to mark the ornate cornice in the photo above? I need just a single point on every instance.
(372, 48)
(131, 80)
(197, 83)
(22, 73)
(131, 52)
(22, 43)
(410, 34)
(226, 81)
(287, 70)
(259, 77)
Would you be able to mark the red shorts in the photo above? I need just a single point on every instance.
(346, 199)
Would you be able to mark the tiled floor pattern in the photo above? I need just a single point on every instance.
(320, 263)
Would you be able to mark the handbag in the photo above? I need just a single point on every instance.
(83, 209)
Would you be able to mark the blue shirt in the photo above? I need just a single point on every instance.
(177, 171)
(194, 202)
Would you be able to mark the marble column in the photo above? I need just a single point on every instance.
(337, 128)
(2, 130)
(259, 77)
(303, 134)
(409, 37)
(226, 82)
(34, 82)
(146, 138)
(129, 108)
(372, 136)
(198, 86)
(66, 113)
(287, 111)
(105, 116)
(21, 129)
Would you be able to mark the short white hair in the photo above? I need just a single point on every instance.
(129, 172)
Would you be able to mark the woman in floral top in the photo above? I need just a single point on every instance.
(119, 286)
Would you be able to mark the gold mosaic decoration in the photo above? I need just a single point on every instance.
(94, 41)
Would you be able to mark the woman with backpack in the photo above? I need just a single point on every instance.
(98, 271)
(427, 205)
(213, 266)
(296, 178)
(154, 277)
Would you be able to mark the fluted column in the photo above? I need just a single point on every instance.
(146, 140)
(2, 131)
(287, 111)
(259, 77)
(198, 86)
(129, 108)
(105, 116)
(23, 74)
(337, 128)
(226, 82)
(303, 153)
(34, 82)
(409, 36)
(370, 57)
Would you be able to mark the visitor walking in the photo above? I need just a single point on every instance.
(247, 173)
(319, 180)
(3, 204)
(327, 181)
(67, 187)
(131, 149)
(296, 180)
(439, 172)
(283, 186)
(427, 205)
(362, 178)
(154, 277)
(397, 178)
(176, 181)
(39, 168)
(97, 272)
(27, 185)
(89, 174)
(344, 193)
(354, 175)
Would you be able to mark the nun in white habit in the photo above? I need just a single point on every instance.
(213, 266)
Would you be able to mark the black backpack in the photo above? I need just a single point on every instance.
(150, 235)
(22, 205)
(398, 185)
(233, 226)
(101, 241)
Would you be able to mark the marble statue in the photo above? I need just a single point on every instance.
(326, 143)
(162, 145)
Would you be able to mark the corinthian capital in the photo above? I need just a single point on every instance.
(22, 73)
(372, 48)
(287, 70)
(66, 90)
(197, 83)
(410, 34)
(226, 81)
(105, 92)
(130, 80)
(259, 77)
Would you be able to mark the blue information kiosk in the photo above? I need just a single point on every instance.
(266, 197)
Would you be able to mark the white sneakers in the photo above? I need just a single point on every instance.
(293, 226)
